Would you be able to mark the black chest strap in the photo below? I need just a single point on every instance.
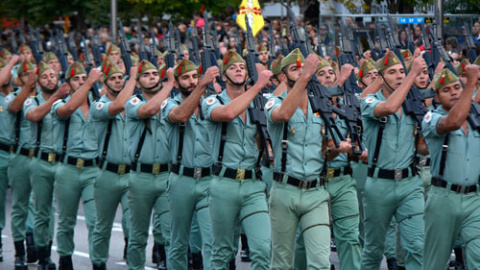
(443, 158)
(39, 128)
(223, 137)
(381, 126)
(103, 157)
(142, 137)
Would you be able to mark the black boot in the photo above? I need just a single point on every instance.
(50, 263)
(44, 261)
(125, 249)
(197, 261)
(100, 267)
(20, 263)
(31, 250)
(1, 250)
(245, 252)
(231, 265)
(392, 264)
(155, 254)
(162, 263)
(65, 263)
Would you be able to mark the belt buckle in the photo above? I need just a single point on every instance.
(80, 163)
(31, 152)
(52, 157)
(461, 189)
(303, 184)
(12, 149)
(240, 174)
(422, 161)
(330, 172)
(121, 169)
(197, 173)
(156, 168)
(398, 174)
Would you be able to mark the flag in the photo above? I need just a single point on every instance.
(254, 13)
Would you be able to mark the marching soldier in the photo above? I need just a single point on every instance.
(75, 176)
(393, 188)
(52, 60)
(191, 151)
(37, 110)
(150, 156)
(452, 208)
(111, 184)
(237, 194)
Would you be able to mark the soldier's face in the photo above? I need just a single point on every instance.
(77, 81)
(326, 76)
(149, 78)
(186, 55)
(55, 65)
(48, 80)
(187, 82)
(421, 81)
(237, 72)
(70, 59)
(293, 71)
(463, 78)
(449, 94)
(116, 82)
(26, 55)
(394, 76)
(7, 58)
(114, 56)
(370, 77)
(263, 57)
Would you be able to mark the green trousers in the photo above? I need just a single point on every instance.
(450, 216)
(359, 173)
(234, 202)
(22, 215)
(73, 185)
(187, 196)
(4, 157)
(146, 192)
(195, 240)
(43, 181)
(383, 199)
(110, 190)
(291, 207)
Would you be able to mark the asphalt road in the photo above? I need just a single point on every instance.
(81, 259)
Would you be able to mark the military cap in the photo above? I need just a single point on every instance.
(276, 65)
(387, 61)
(262, 48)
(163, 71)
(461, 67)
(50, 56)
(24, 67)
(24, 48)
(322, 63)
(109, 68)
(112, 48)
(477, 61)
(366, 67)
(74, 69)
(41, 67)
(144, 66)
(406, 53)
(230, 58)
(444, 78)
(183, 67)
(294, 57)
(5, 53)
(134, 57)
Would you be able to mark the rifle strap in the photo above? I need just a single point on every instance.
(284, 148)
(381, 126)
(39, 128)
(65, 137)
(142, 137)
(181, 137)
(223, 136)
(107, 140)
(443, 158)
(17, 125)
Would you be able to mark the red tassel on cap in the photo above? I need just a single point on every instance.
(104, 67)
(25, 66)
(163, 73)
(360, 74)
(386, 61)
(463, 66)
(140, 68)
(37, 71)
(179, 71)
(406, 54)
(200, 70)
(442, 79)
(225, 61)
(299, 61)
(108, 70)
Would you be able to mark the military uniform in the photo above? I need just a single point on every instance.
(237, 196)
(189, 184)
(111, 183)
(150, 157)
(75, 176)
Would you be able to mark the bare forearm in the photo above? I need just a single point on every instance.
(38, 113)
(17, 103)
(75, 101)
(118, 105)
(183, 112)
(153, 105)
(4, 74)
(293, 100)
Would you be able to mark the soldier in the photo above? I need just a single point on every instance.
(393, 188)
(111, 184)
(189, 181)
(75, 176)
(237, 194)
(115, 56)
(263, 55)
(52, 60)
(150, 156)
(298, 197)
(18, 171)
(6, 55)
(37, 110)
(453, 197)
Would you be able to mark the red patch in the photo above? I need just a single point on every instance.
(259, 47)
(140, 68)
(225, 61)
(463, 66)
(179, 71)
(104, 67)
(299, 61)
(25, 67)
(360, 74)
(442, 80)
(386, 61)
(200, 69)
(163, 73)
(37, 71)
(108, 70)
(72, 72)
(21, 49)
(406, 54)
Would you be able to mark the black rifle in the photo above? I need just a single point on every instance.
(21, 37)
(170, 46)
(97, 55)
(124, 47)
(271, 46)
(194, 55)
(178, 46)
(153, 49)
(257, 114)
(318, 95)
(472, 49)
(215, 42)
(39, 42)
(411, 43)
(208, 57)
(427, 55)
(238, 42)
(72, 47)
(413, 104)
(373, 50)
(33, 44)
(62, 53)
(14, 43)
(142, 52)
(95, 91)
(283, 47)
(380, 38)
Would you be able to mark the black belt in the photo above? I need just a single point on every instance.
(191, 172)
(336, 172)
(116, 168)
(438, 182)
(422, 161)
(49, 157)
(80, 162)
(7, 148)
(397, 174)
(155, 168)
(297, 182)
(28, 152)
(237, 174)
